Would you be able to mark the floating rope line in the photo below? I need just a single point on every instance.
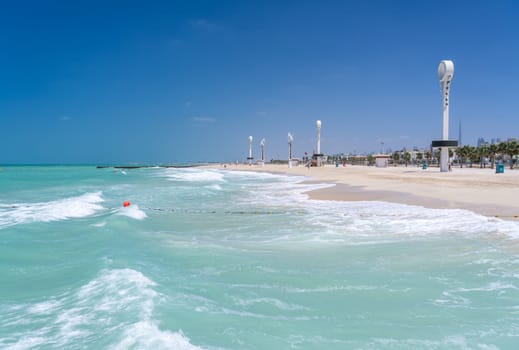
(259, 212)
(227, 212)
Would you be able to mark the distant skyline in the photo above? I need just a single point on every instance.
(186, 81)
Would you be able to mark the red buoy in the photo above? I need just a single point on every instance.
(126, 204)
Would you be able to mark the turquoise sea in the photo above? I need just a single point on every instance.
(216, 259)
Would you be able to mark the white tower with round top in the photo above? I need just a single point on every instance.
(318, 155)
(290, 140)
(262, 144)
(445, 74)
(250, 157)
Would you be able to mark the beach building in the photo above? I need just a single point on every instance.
(381, 160)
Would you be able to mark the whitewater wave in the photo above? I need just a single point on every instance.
(73, 207)
(133, 212)
(116, 305)
(341, 220)
(146, 335)
(215, 187)
(195, 175)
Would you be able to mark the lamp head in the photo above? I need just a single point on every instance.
(290, 138)
(262, 142)
(318, 124)
(250, 139)
(445, 70)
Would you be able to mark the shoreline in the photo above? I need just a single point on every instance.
(474, 189)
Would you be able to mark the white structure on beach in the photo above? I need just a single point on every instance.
(318, 125)
(381, 160)
(318, 155)
(445, 74)
(250, 157)
(262, 144)
(290, 139)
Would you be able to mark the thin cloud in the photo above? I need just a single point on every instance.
(204, 120)
(204, 25)
(64, 118)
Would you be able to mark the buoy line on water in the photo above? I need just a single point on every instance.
(226, 212)
(243, 212)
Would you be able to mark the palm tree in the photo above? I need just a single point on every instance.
(512, 149)
(473, 155)
(484, 152)
(437, 155)
(508, 148)
(463, 152)
(460, 152)
(419, 156)
(407, 158)
(502, 148)
(396, 157)
(428, 156)
(371, 160)
(492, 149)
(515, 148)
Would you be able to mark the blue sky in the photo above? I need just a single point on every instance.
(180, 81)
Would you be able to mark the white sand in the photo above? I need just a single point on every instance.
(479, 190)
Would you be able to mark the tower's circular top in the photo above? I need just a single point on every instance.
(445, 70)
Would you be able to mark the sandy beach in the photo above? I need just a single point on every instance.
(479, 190)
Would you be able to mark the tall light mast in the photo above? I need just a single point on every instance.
(290, 140)
(262, 144)
(250, 157)
(445, 74)
(318, 155)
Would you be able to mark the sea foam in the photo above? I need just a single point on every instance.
(133, 212)
(61, 209)
(368, 218)
(146, 335)
(117, 305)
(194, 175)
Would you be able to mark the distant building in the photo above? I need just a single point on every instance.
(381, 160)
(481, 141)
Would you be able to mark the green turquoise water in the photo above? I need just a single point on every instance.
(214, 259)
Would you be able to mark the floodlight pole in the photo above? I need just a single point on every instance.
(250, 157)
(290, 139)
(318, 155)
(445, 74)
(262, 143)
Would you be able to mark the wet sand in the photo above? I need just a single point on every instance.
(479, 190)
